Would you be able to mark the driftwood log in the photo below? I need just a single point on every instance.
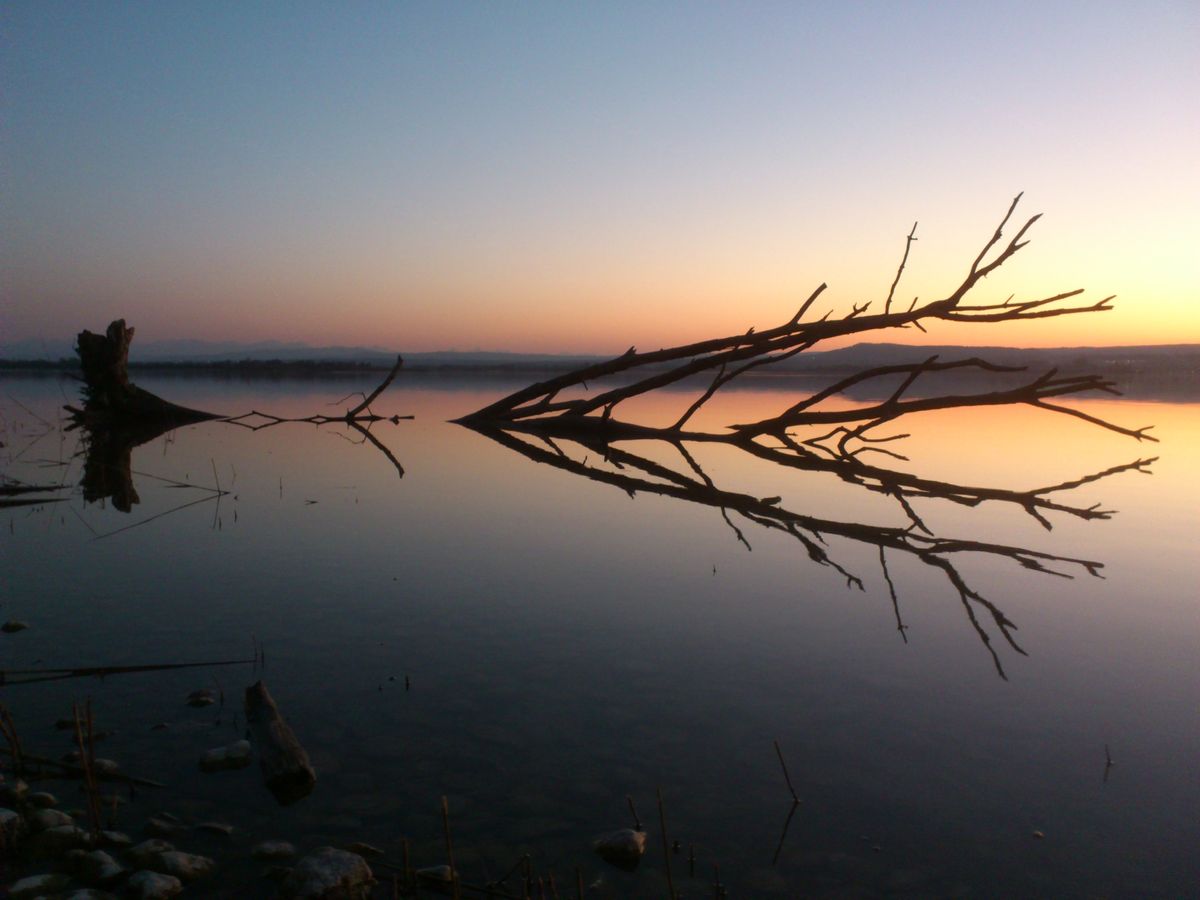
(286, 770)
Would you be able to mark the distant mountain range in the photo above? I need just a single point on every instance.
(1181, 361)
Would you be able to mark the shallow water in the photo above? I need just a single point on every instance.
(567, 645)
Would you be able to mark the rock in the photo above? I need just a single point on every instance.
(115, 839)
(48, 818)
(184, 866)
(147, 852)
(329, 874)
(236, 756)
(146, 885)
(12, 827)
(273, 850)
(13, 791)
(58, 840)
(216, 828)
(12, 626)
(38, 886)
(436, 876)
(99, 868)
(162, 826)
(364, 849)
(87, 894)
(42, 799)
(623, 849)
(105, 766)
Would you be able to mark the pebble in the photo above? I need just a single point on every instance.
(328, 872)
(48, 818)
(42, 799)
(205, 697)
(184, 866)
(364, 849)
(235, 756)
(145, 853)
(162, 826)
(146, 885)
(98, 867)
(273, 850)
(38, 886)
(623, 849)
(216, 828)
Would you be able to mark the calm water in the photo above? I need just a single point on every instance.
(568, 644)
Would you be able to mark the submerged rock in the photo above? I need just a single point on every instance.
(436, 876)
(147, 852)
(203, 697)
(329, 874)
(42, 799)
(184, 866)
(623, 849)
(147, 885)
(48, 818)
(236, 756)
(59, 839)
(163, 826)
(12, 826)
(38, 886)
(216, 828)
(273, 850)
(98, 867)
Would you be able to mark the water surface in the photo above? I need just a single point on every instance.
(567, 644)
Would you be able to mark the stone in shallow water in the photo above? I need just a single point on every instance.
(184, 866)
(161, 826)
(623, 849)
(12, 826)
(203, 697)
(147, 852)
(38, 886)
(98, 867)
(146, 885)
(59, 839)
(329, 874)
(48, 818)
(273, 850)
(236, 756)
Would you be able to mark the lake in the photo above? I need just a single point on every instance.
(536, 643)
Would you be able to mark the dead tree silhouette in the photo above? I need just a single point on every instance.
(813, 435)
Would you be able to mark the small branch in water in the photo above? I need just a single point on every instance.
(662, 822)
(786, 777)
(33, 676)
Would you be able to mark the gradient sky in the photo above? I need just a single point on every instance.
(580, 177)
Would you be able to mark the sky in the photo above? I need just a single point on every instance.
(570, 177)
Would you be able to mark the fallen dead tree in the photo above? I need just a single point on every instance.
(570, 422)
(542, 408)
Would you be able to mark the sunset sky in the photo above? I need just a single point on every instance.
(580, 177)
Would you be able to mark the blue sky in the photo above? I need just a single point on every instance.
(559, 176)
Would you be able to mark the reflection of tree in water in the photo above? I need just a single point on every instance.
(542, 419)
(633, 473)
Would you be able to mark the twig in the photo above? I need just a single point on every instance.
(786, 777)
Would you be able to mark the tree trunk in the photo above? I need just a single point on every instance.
(109, 396)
